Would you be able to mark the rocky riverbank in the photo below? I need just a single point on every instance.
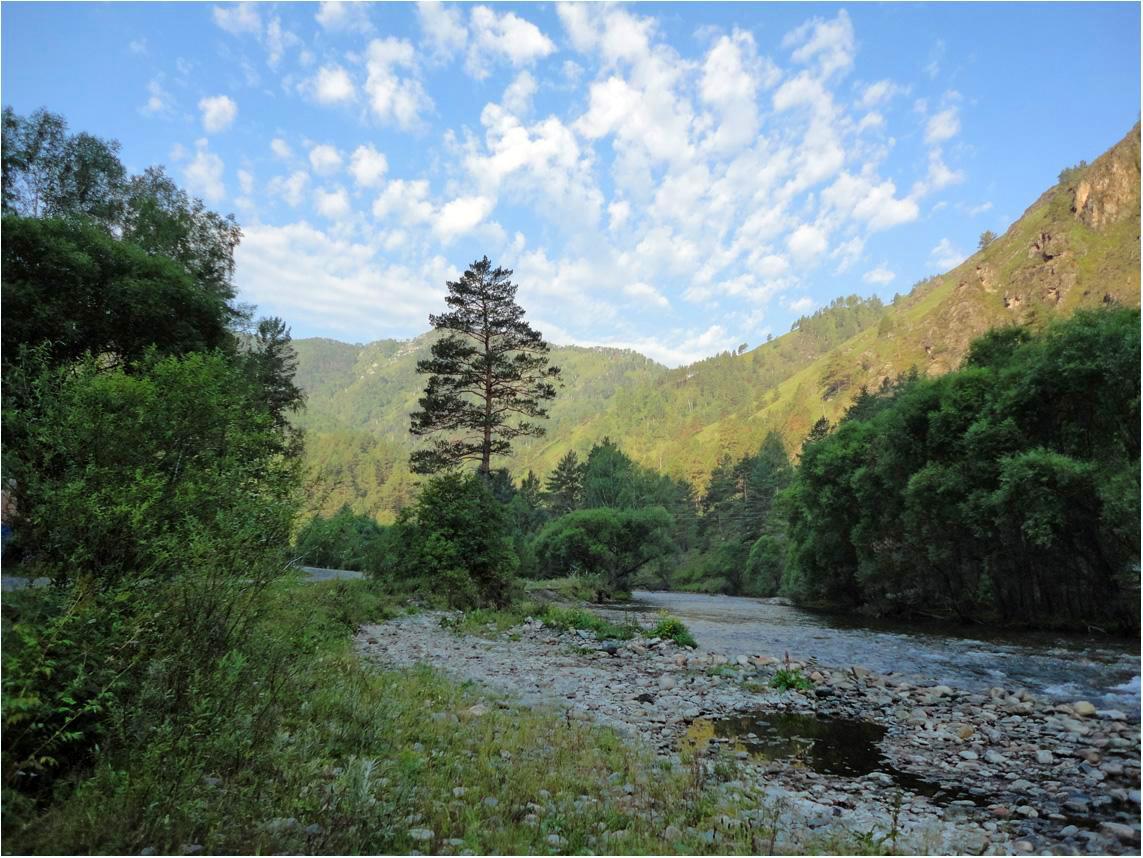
(1022, 775)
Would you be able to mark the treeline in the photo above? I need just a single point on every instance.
(467, 537)
(1007, 490)
(150, 472)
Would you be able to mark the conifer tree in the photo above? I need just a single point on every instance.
(565, 484)
(489, 377)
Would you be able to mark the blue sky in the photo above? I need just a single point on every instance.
(675, 178)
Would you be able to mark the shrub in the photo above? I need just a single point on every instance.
(345, 540)
(455, 542)
(578, 618)
(672, 628)
(611, 543)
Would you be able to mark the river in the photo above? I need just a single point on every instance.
(1104, 671)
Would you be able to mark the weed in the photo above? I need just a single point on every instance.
(672, 628)
(790, 679)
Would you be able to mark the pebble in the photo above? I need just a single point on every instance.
(556, 840)
(421, 833)
(1083, 708)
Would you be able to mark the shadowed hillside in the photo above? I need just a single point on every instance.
(1076, 246)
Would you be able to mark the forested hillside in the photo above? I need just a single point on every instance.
(1077, 246)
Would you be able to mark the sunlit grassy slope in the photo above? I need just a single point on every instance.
(1077, 246)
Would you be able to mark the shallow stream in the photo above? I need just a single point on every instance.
(1103, 670)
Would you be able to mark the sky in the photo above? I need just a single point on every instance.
(673, 178)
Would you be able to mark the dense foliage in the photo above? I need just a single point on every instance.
(153, 477)
(1008, 489)
(455, 542)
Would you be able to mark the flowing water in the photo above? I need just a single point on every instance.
(1060, 667)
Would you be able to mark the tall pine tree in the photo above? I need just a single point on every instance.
(565, 484)
(489, 377)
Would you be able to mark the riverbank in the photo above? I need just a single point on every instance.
(1030, 775)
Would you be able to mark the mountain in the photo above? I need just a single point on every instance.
(1077, 246)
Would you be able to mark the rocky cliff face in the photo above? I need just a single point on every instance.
(1108, 191)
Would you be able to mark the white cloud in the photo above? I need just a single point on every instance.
(333, 204)
(159, 101)
(443, 28)
(518, 95)
(291, 188)
(394, 98)
(332, 85)
(731, 77)
(281, 148)
(829, 43)
(942, 126)
(246, 182)
(300, 271)
(367, 166)
(619, 211)
(806, 244)
(462, 215)
(325, 159)
(218, 112)
(203, 174)
(238, 19)
(945, 255)
(801, 305)
(939, 176)
(647, 294)
(879, 276)
(880, 93)
(339, 17)
(873, 203)
(980, 209)
(506, 36)
(405, 201)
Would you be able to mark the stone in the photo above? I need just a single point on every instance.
(476, 711)
(1044, 758)
(996, 758)
(965, 731)
(313, 829)
(491, 801)
(455, 841)
(666, 682)
(968, 755)
(192, 849)
(764, 660)
(1027, 811)
(421, 834)
(458, 792)
(556, 840)
(1123, 833)
(1083, 709)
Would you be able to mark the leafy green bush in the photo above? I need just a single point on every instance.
(342, 541)
(790, 679)
(610, 543)
(672, 628)
(455, 543)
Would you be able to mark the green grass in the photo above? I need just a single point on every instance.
(581, 588)
(790, 679)
(673, 628)
(559, 617)
(360, 757)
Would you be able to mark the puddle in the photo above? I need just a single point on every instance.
(848, 748)
(831, 746)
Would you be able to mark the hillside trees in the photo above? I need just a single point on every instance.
(489, 377)
(1007, 490)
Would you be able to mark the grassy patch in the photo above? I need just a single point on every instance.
(364, 761)
(577, 618)
(580, 588)
(672, 628)
(790, 679)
